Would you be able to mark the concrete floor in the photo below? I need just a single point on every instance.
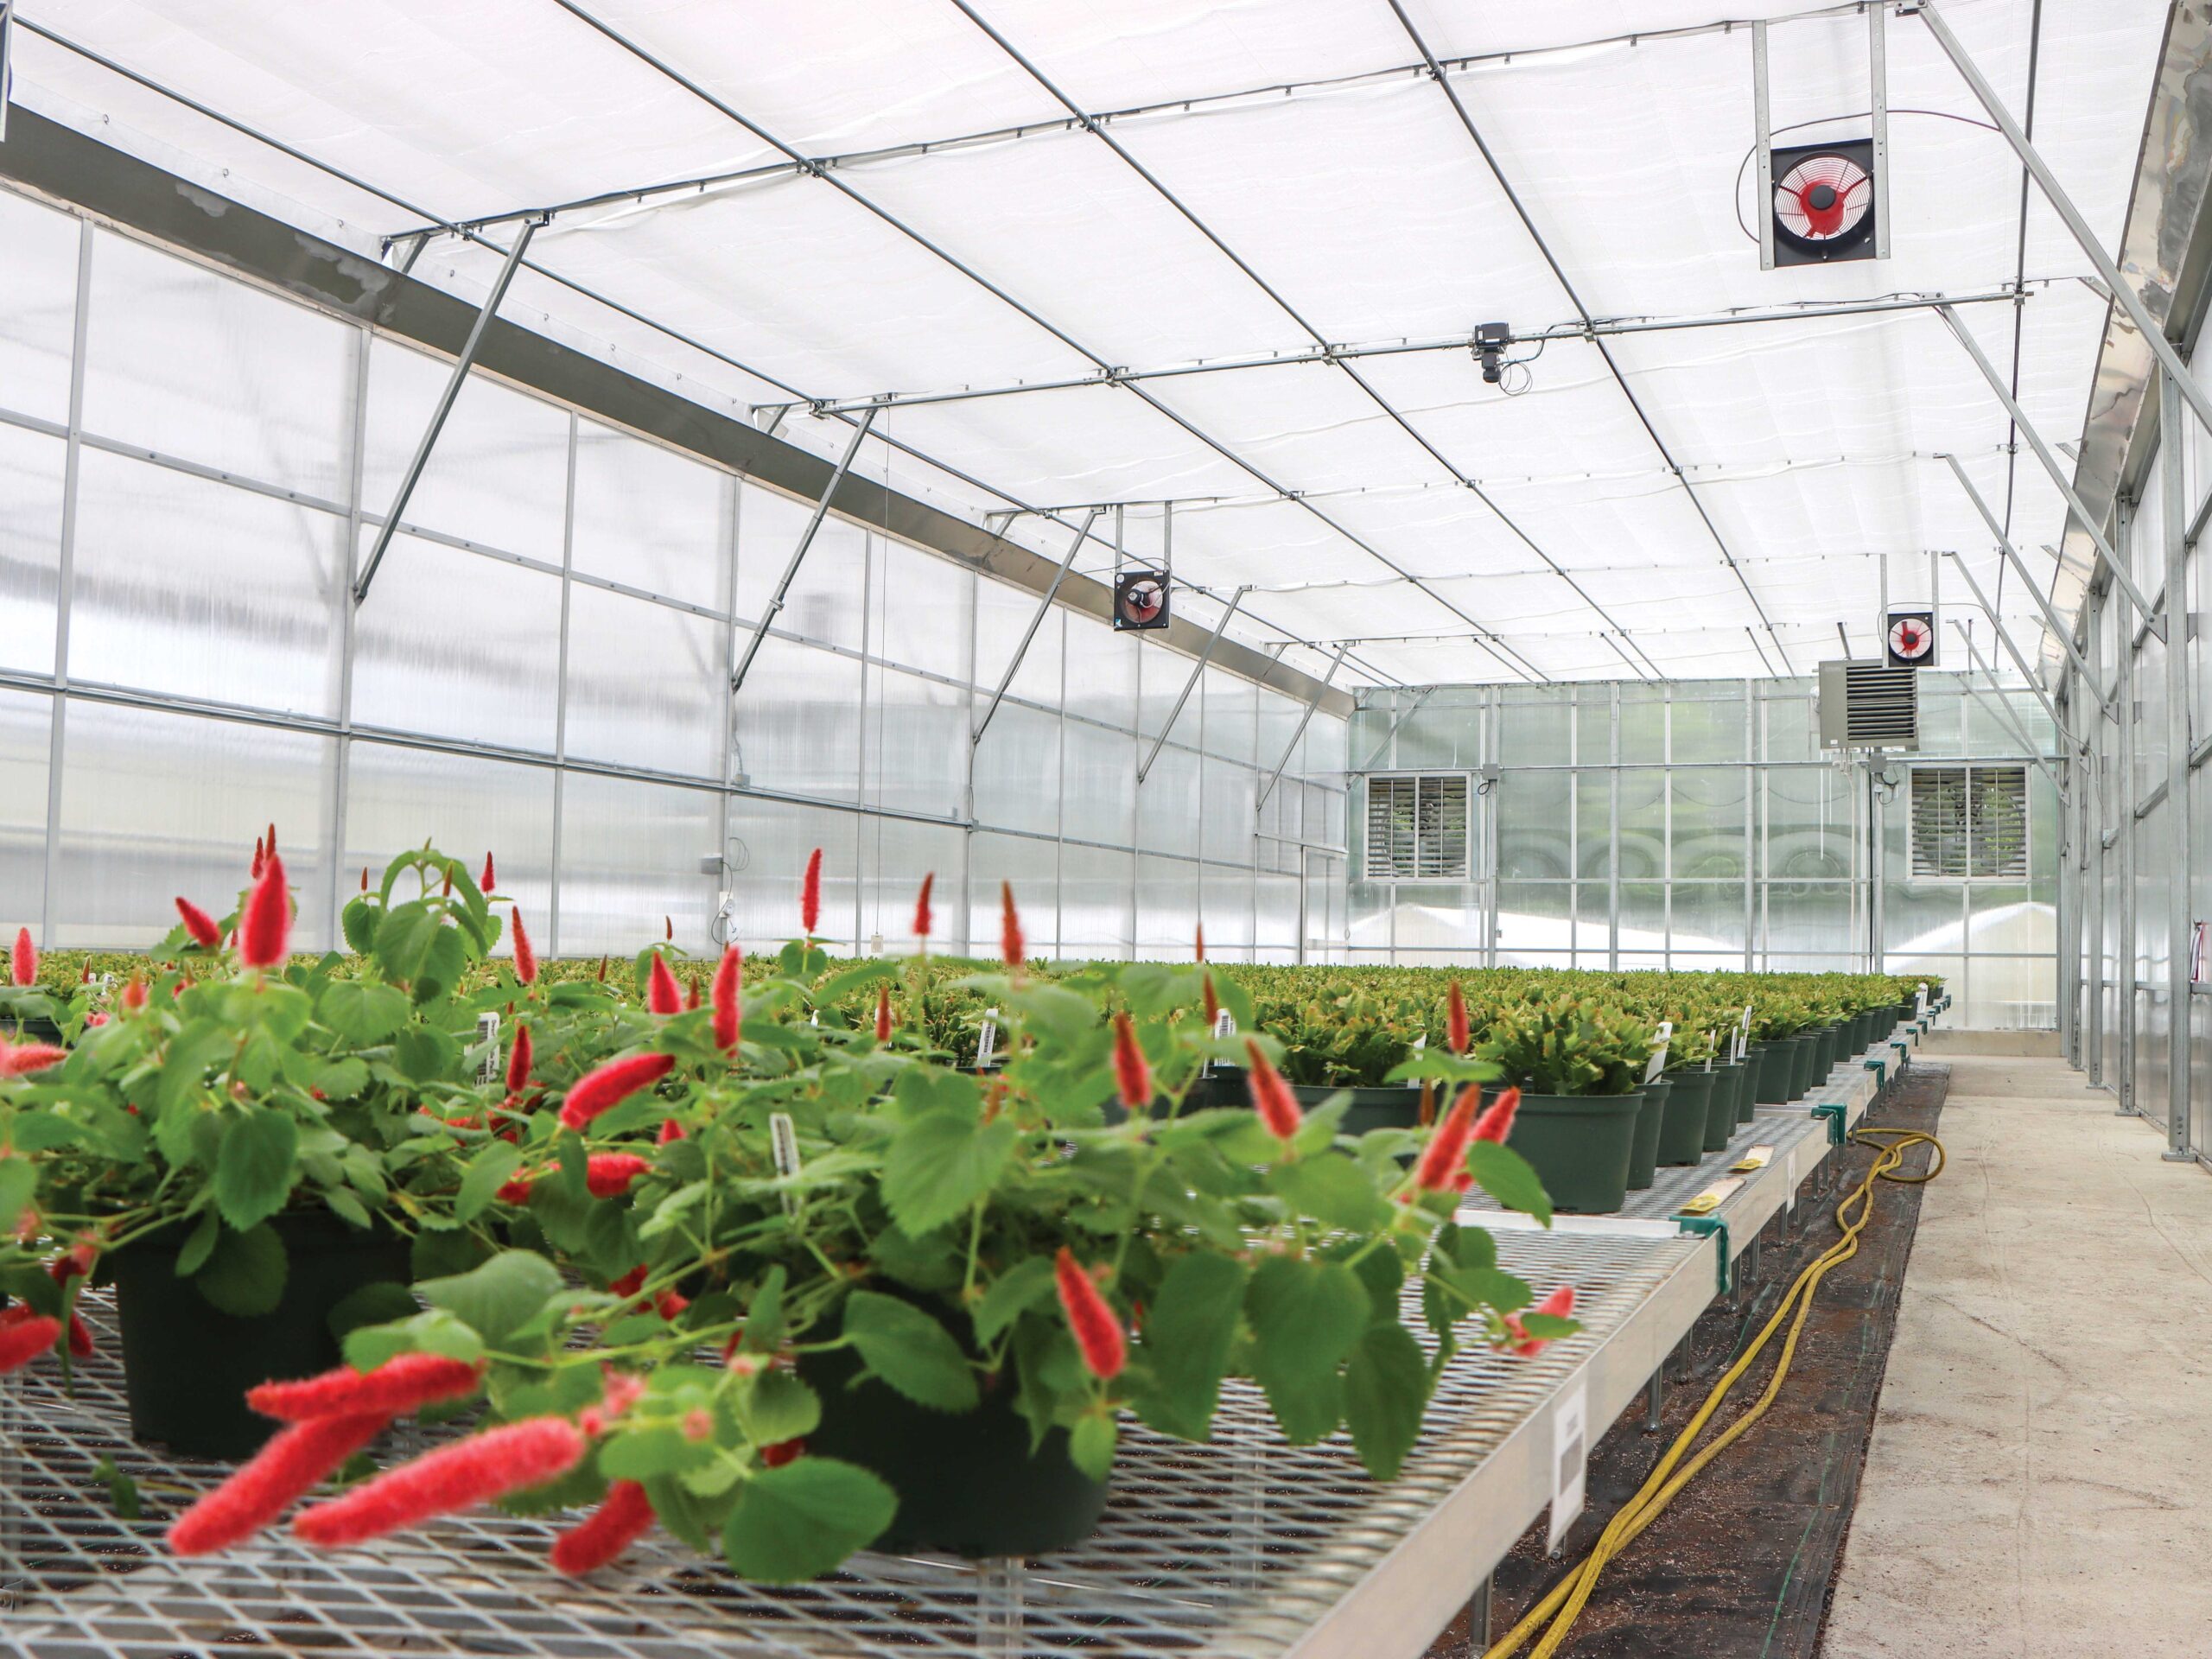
(2040, 1477)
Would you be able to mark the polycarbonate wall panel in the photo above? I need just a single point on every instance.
(541, 665)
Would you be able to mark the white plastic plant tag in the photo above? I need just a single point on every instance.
(783, 1143)
(1743, 1032)
(1657, 1062)
(1224, 1023)
(487, 1034)
(987, 1040)
(1570, 1461)
(1920, 1002)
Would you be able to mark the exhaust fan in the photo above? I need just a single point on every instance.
(1823, 203)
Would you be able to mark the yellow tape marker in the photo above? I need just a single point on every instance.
(1711, 1198)
(1757, 1158)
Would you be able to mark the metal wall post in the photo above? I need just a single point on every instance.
(1029, 633)
(65, 588)
(1612, 830)
(2173, 445)
(1761, 119)
(2123, 790)
(799, 554)
(1190, 684)
(7, 59)
(2093, 815)
(1878, 83)
(455, 381)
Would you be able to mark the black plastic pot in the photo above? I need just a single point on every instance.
(968, 1484)
(1644, 1161)
(186, 1364)
(1681, 1122)
(1580, 1147)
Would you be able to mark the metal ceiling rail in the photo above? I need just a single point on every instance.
(1559, 274)
(1488, 641)
(465, 232)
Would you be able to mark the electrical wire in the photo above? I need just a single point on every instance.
(1566, 1599)
(1744, 166)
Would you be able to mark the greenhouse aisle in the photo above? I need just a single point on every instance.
(2040, 1475)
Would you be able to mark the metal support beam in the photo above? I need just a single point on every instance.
(7, 60)
(1029, 633)
(1996, 700)
(1764, 207)
(2122, 291)
(2113, 559)
(2035, 588)
(2180, 681)
(1878, 86)
(1291, 748)
(2035, 682)
(1400, 719)
(458, 378)
(799, 554)
(1190, 684)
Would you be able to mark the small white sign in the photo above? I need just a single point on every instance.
(487, 1034)
(2198, 953)
(1570, 1460)
(1744, 1030)
(1657, 1062)
(1224, 1023)
(783, 1145)
(1789, 1192)
(987, 1040)
(1712, 1048)
(1920, 1003)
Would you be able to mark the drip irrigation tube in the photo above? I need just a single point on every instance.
(1564, 1605)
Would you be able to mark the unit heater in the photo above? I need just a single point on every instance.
(1869, 705)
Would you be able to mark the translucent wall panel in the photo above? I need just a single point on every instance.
(798, 722)
(204, 590)
(916, 743)
(1808, 823)
(188, 363)
(1167, 908)
(1161, 676)
(921, 610)
(769, 841)
(1706, 821)
(26, 740)
(895, 854)
(1533, 733)
(1166, 821)
(1226, 811)
(647, 683)
(1002, 614)
(31, 467)
(1534, 922)
(1018, 770)
(154, 805)
(652, 519)
(1707, 915)
(1532, 814)
(498, 475)
(1232, 712)
(1101, 673)
(1642, 841)
(456, 645)
(38, 323)
(827, 599)
(1098, 783)
(1031, 867)
(629, 855)
(1805, 917)
(1097, 914)
(400, 798)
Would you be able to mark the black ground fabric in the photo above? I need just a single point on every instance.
(1741, 1564)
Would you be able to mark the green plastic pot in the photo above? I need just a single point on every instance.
(1747, 1091)
(968, 1483)
(1394, 1107)
(1643, 1162)
(1828, 1043)
(1692, 1094)
(1770, 1063)
(1580, 1147)
(1804, 1058)
(186, 1364)
(1681, 1123)
(1721, 1105)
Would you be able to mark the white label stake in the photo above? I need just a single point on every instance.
(987, 1040)
(487, 1033)
(1570, 1461)
(1658, 1061)
(783, 1144)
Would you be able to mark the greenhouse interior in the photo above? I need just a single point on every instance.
(877, 829)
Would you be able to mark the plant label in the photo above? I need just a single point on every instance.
(2196, 954)
(987, 1041)
(783, 1144)
(1657, 1062)
(1711, 1198)
(1757, 1158)
(1712, 1048)
(1224, 1023)
(1920, 1003)
(1744, 1030)
(1570, 1460)
(487, 1034)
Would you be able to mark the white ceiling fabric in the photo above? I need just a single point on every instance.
(1287, 176)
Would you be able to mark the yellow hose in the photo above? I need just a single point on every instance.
(1567, 1599)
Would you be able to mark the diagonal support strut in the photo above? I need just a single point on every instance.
(799, 554)
(1044, 608)
(1190, 684)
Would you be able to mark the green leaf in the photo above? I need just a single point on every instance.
(245, 1275)
(373, 1303)
(652, 1449)
(1505, 1175)
(122, 1490)
(488, 1171)
(1090, 1445)
(1333, 1190)
(197, 1248)
(360, 1011)
(939, 1164)
(1550, 1326)
(1386, 1389)
(443, 964)
(800, 1521)
(1306, 1316)
(777, 1408)
(498, 1297)
(432, 1331)
(404, 938)
(427, 1054)
(911, 1351)
(43, 1131)
(18, 1181)
(1307, 1407)
(360, 919)
(254, 1170)
(1012, 1294)
(1188, 1333)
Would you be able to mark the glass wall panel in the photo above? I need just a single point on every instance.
(1003, 616)
(1275, 924)
(1707, 915)
(650, 519)
(1706, 821)
(1098, 783)
(31, 466)
(456, 645)
(1532, 821)
(1232, 714)
(1166, 821)
(895, 854)
(646, 684)
(1642, 838)
(204, 591)
(38, 324)
(630, 856)
(1227, 812)
(1225, 907)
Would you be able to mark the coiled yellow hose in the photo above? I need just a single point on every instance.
(1569, 1598)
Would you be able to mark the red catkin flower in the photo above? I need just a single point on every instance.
(883, 1013)
(629, 1283)
(519, 1060)
(272, 841)
(1132, 1072)
(597, 1092)
(729, 1015)
(921, 917)
(690, 995)
(525, 958)
(662, 993)
(1097, 1332)
(1271, 1097)
(490, 879)
(1013, 950)
(668, 929)
(1558, 1305)
(783, 1451)
(515, 1189)
(365, 877)
(1456, 1034)
(618, 1522)
(260, 858)
(1446, 1155)
(24, 963)
(134, 993)
(669, 1130)
(608, 1175)
(289, 1465)
(445, 887)
(402, 1384)
(602, 970)
(455, 1476)
(1198, 945)
(1213, 1004)
(267, 921)
(23, 1340)
(200, 924)
(86, 977)
(809, 893)
(1496, 1123)
(17, 1061)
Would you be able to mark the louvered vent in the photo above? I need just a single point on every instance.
(1869, 705)
(1417, 828)
(1970, 824)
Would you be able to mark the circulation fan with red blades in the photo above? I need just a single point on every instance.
(1823, 203)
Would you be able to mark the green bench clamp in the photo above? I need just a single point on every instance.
(1713, 1227)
